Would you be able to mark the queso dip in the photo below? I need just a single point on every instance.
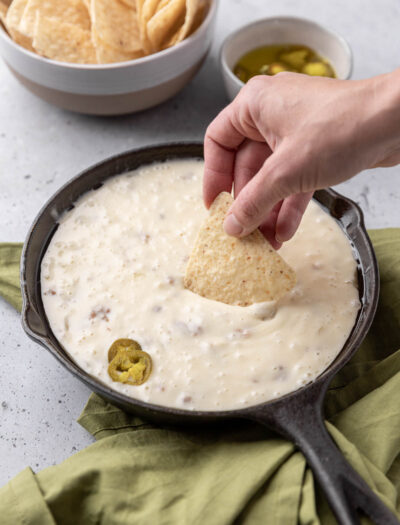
(114, 269)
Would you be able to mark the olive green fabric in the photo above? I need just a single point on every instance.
(241, 474)
(10, 255)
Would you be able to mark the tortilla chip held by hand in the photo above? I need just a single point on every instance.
(235, 271)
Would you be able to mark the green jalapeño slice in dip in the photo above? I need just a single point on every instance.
(270, 60)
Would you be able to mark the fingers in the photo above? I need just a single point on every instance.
(290, 215)
(256, 200)
(218, 170)
(220, 144)
(260, 204)
(268, 227)
(284, 219)
(249, 159)
(223, 137)
(237, 153)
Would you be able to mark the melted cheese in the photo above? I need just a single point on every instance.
(114, 269)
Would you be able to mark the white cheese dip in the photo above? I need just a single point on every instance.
(114, 269)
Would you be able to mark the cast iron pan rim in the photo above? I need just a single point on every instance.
(123, 399)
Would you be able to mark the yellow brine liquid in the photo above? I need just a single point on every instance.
(270, 60)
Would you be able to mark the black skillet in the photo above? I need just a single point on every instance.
(297, 416)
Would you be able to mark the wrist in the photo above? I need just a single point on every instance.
(384, 114)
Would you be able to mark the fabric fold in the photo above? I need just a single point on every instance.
(22, 502)
(10, 256)
(241, 473)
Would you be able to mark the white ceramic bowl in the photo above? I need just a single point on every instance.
(283, 30)
(111, 89)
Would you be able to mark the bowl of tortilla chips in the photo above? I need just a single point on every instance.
(105, 57)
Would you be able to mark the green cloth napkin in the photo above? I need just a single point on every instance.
(242, 474)
(10, 255)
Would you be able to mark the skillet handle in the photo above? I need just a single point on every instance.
(301, 420)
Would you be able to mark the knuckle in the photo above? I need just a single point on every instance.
(208, 132)
(257, 82)
(284, 75)
(287, 177)
(209, 135)
(295, 179)
(249, 210)
(285, 180)
(254, 81)
(308, 169)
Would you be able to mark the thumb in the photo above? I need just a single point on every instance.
(276, 180)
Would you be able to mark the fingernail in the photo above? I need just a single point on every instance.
(232, 225)
(278, 239)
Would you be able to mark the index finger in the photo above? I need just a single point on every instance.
(223, 137)
(220, 144)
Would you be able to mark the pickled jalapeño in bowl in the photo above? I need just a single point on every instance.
(273, 59)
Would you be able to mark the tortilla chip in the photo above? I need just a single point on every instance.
(201, 13)
(235, 271)
(165, 23)
(130, 3)
(139, 5)
(195, 14)
(71, 11)
(145, 10)
(3, 13)
(14, 14)
(63, 41)
(116, 24)
(193, 11)
(161, 5)
(12, 21)
(106, 54)
(21, 39)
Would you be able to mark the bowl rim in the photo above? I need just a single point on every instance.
(181, 150)
(197, 35)
(285, 18)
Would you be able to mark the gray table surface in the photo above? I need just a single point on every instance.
(41, 147)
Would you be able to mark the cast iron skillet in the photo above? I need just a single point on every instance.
(299, 415)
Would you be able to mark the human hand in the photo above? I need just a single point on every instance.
(285, 136)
